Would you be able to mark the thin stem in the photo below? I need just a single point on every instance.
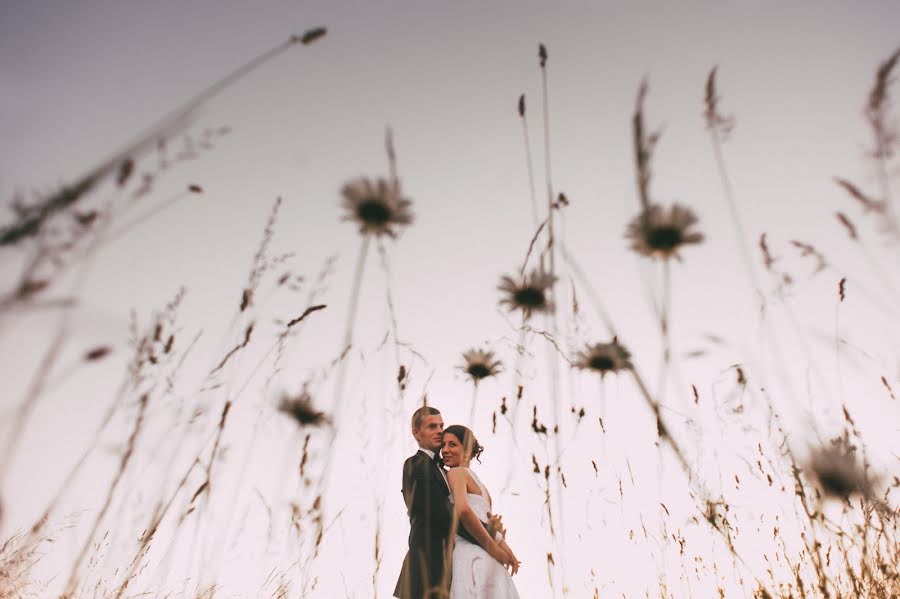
(665, 333)
(38, 381)
(529, 163)
(137, 221)
(551, 249)
(42, 374)
(473, 406)
(72, 583)
(351, 322)
(515, 399)
(156, 520)
(663, 429)
(885, 184)
(164, 127)
(386, 268)
(391, 154)
(181, 113)
(572, 263)
(733, 211)
(337, 408)
(547, 167)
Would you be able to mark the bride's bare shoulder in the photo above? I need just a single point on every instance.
(458, 472)
(457, 475)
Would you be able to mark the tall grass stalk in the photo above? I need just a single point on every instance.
(719, 126)
(552, 318)
(337, 409)
(529, 167)
(72, 583)
(885, 135)
(41, 376)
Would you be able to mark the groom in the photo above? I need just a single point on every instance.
(427, 497)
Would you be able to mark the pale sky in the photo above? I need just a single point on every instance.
(80, 80)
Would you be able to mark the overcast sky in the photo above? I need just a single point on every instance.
(80, 80)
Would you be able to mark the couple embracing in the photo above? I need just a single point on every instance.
(457, 548)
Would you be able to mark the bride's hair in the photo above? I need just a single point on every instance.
(467, 439)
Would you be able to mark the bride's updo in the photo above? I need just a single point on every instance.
(467, 440)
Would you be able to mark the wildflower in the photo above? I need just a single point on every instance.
(660, 233)
(837, 471)
(300, 409)
(377, 206)
(604, 358)
(480, 364)
(530, 295)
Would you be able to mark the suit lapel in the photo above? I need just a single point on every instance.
(436, 474)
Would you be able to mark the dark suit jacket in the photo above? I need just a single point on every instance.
(427, 498)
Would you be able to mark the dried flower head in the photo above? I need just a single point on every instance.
(300, 408)
(604, 358)
(312, 35)
(878, 106)
(529, 295)
(719, 124)
(659, 232)
(98, 353)
(377, 206)
(480, 364)
(837, 471)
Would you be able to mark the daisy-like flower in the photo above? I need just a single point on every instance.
(378, 207)
(604, 358)
(658, 232)
(837, 472)
(300, 408)
(480, 364)
(529, 295)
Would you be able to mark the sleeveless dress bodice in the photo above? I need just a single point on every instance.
(475, 573)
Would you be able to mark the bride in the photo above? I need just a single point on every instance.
(476, 572)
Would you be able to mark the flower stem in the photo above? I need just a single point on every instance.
(529, 165)
(736, 221)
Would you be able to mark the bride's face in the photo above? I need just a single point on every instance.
(452, 452)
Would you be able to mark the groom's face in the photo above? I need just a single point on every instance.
(430, 433)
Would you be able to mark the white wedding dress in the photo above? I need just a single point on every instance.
(476, 575)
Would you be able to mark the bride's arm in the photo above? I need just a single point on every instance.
(463, 514)
(495, 522)
(514, 567)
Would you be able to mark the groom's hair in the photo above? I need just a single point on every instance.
(420, 414)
